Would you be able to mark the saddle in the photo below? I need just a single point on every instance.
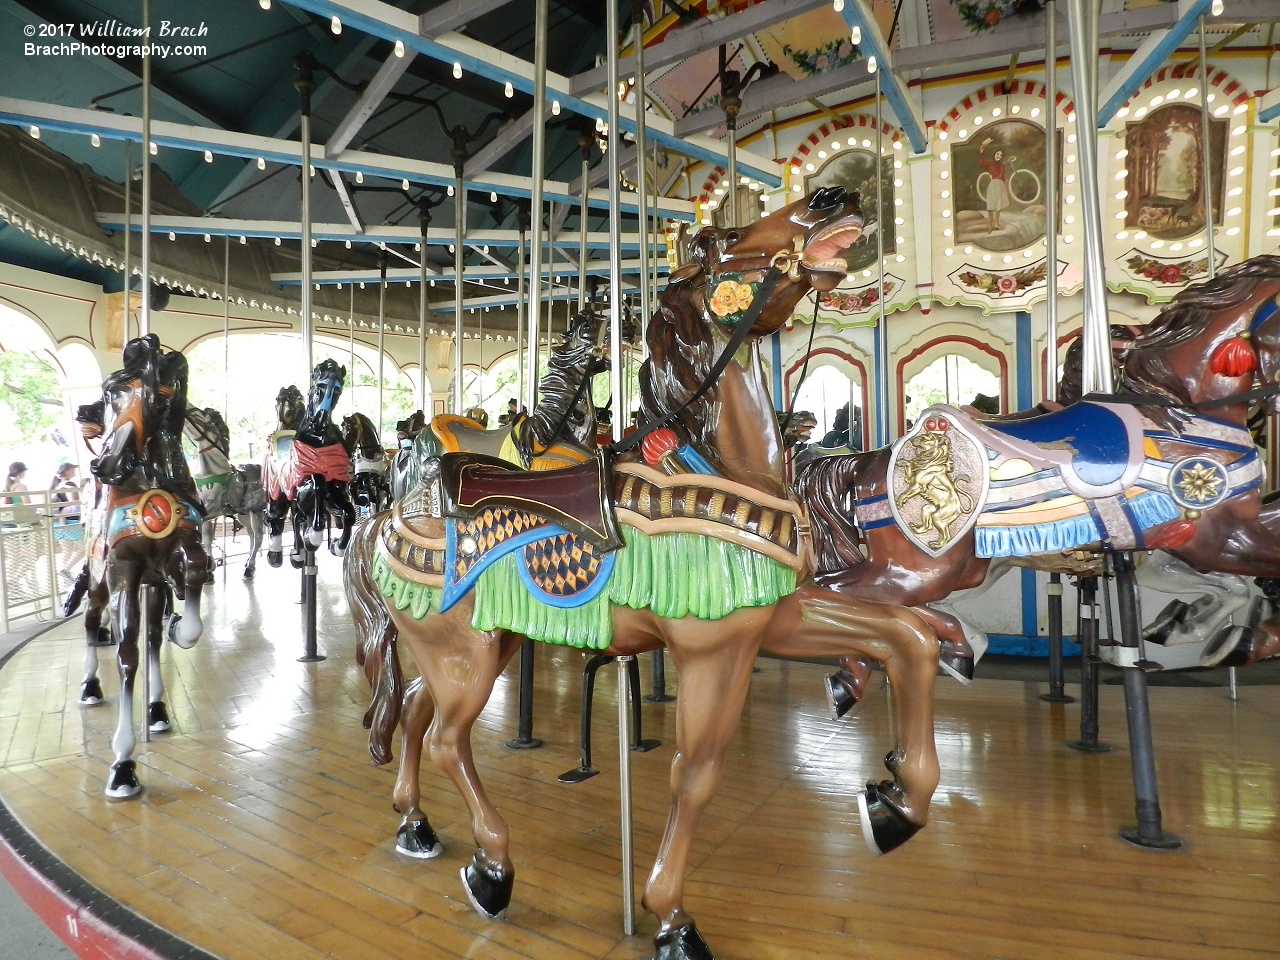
(1096, 449)
(576, 498)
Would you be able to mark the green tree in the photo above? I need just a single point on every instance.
(30, 388)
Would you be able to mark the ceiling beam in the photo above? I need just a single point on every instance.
(1146, 60)
(391, 23)
(778, 91)
(1269, 106)
(367, 103)
(684, 42)
(856, 13)
(23, 113)
(455, 14)
(348, 201)
(508, 138)
(595, 268)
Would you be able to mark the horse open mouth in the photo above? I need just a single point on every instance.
(824, 251)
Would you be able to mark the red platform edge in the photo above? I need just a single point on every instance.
(87, 935)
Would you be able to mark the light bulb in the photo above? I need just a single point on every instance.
(154, 149)
(265, 4)
(871, 64)
(208, 156)
(35, 132)
(555, 108)
(359, 176)
(399, 45)
(1215, 8)
(457, 70)
(493, 196)
(95, 140)
(404, 184)
(335, 25)
(451, 189)
(509, 90)
(837, 5)
(262, 164)
(855, 35)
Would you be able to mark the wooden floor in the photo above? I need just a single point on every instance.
(265, 833)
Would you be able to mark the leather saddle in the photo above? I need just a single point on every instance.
(1096, 448)
(577, 498)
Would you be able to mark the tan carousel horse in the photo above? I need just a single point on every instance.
(696, 548)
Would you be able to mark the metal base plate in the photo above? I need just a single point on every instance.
(533, 743)
(577, 775)
(316, 659)
(1083, 746)
(1162, 840)
(1057, 698)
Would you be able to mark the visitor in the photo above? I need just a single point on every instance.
(66, 492)
(13, 484)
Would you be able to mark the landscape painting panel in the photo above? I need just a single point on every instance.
(1165, 181)
(998, 176)
(855, 171)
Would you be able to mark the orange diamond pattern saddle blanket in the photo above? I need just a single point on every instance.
(304, 461)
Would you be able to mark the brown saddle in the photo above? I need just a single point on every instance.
(576, 498)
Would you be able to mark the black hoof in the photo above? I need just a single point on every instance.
(103, 637)
(248, 573)
(681, 943)
(1230, 647)
(158, 717)
(1166, 622)
(296, 561)
(884, 826)
(958, 664)
(91, 692)
(210, 578)
(275, 558)
(416, 839)
(123, 782)
(840, 694)
(173, 627)
(488, 887)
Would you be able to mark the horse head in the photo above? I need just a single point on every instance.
(410, 427)
(133, 395)
(207, 430)
(805, 240)
(290, 407)
(317, 427)
(359, 433)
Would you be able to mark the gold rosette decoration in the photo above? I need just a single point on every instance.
(731, 297)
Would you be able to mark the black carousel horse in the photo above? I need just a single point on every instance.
(369, 463)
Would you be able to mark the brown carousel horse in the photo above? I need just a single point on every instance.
(697, 550)
(1167, 462)
(147, 530)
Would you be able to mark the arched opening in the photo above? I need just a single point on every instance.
(835, 400)
(490, 388)
(952, 379)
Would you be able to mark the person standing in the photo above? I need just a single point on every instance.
(13, 483)
(998, 189)
(66, 492)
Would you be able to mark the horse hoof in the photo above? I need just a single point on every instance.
(336, 549)
(123, 783)
(681, 943)
(1232, 646)
(488, 887)
(210, 578)
(416, 839)
(248, 573)
(275, 558)
(842, 693)
(884, 826)
(296, 561)
(957, 664)
(158, 717)
(91, 692)
(104, 638)
(1168, 620)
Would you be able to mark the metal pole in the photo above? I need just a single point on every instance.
(535, 206)
(128, 230)
(522, 310)
(642, 187)
(1056, 692)
(1206, 178)
(424, 310)
(615, 366)
(351, 345)
(459, 229)
(226, 327)
(1050, 374)
(382, 330)
(1149, 831)
(882, 332)
(144, 314)
(1087, 617)
(585, 144)
(1097, 373)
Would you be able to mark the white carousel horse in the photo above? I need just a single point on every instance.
(225, 489)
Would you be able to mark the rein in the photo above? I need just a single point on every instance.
(740, 334)
(1141, 400)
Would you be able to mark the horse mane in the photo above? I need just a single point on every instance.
(822, 487)
(365, 437)
(681, 354)
(570, 362)
(295, 404)
(1147, 369)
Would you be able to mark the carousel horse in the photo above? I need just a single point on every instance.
(695, 548)
(225, 490)
(369, 463)
(290, 409)
(403, 473)
(313, 478)
(1165, 463)
(146, 530)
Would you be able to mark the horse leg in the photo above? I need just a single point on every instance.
(91, 687)
(813, 622)
(124, 580)
(459, 666)
(252, 523)
(414, 838)
(715, 660)
(347, 512)
(158, 602)
(955, 655)
(275, 514)
(186, 630)
(316, 514)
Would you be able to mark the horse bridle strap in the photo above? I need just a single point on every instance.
(740, 334)
(1141, 400)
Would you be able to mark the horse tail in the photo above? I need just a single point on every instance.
(375, 640)
(823, 488)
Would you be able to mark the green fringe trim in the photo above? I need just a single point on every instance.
(419, 599)
(675, 575)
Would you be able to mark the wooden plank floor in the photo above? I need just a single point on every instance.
(265, 833)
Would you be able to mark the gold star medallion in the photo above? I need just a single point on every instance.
(1200, 483)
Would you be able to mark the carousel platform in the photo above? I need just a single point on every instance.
(264, 832)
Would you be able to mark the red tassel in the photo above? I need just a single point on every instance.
(1233, 358)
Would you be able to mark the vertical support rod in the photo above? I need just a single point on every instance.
(144, 314)
(583, 224)
(522, 310)
(1087, 620)
(624, 786)
(351, 346)
(524, 739)
(382, 324)
(882, 331)
(459, 232)
(1097, 373)
(1049, 376)
(424, 311)
(535, 206)
(1149, 831)
(144, 625)
(1233, 692)
(306, 86)
(128, 231)
(1057, 693)
(642, 187)
(1206, 177)
(226, 326)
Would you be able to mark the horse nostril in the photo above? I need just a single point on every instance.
(827, 197)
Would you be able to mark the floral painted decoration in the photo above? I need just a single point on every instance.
(856, 300)
(730, 300)
(837, 53)
(981, 15)
(1002, 284)
(1158, 271)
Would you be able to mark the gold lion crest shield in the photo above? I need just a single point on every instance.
(938, 480)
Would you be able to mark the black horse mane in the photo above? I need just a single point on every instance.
(217, 430)
(317, 428)
(296, 406)
(363, 436)
(572, 362)
(1188, 315)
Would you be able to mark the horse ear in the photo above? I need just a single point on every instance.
(1233, 358)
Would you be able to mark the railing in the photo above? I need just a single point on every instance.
(42, 548)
